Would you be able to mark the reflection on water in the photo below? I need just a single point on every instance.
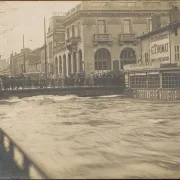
(103, 137)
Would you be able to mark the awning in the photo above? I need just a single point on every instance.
(138, 74)
(152, 73)
(172, 72)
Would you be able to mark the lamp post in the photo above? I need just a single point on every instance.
(24, 56)
(45, 52)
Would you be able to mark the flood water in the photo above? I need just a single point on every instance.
(103, 137)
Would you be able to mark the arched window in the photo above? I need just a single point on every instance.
(128, 56)
(102, 59)
(64, 65)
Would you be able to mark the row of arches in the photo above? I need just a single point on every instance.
(103, 61)
(63, 64)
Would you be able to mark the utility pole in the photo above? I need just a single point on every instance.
(24, 56)
(45, 52)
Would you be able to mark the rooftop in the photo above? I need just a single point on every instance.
(177, 24)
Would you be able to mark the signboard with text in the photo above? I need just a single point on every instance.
(159, 48)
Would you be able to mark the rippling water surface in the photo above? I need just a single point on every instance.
(103, 137)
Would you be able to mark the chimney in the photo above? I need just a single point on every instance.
(156, 21)
(174, 14)
(165, 20)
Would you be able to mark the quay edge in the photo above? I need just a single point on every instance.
(79, 91)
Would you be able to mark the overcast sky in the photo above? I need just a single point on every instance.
(27, 17)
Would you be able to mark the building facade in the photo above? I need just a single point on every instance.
(157, 73)
(4, 66)
(26, 61)
(55, 35)
(100, 36)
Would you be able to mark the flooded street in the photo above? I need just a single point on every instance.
(103, 137)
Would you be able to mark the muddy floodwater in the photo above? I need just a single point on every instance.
(103, 137)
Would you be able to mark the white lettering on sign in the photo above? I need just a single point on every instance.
(159, 48)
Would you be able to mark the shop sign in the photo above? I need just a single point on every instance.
(159, 48)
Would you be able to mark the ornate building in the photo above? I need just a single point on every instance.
(101, 35)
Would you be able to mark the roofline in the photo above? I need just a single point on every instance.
(159, 30)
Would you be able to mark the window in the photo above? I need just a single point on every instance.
(73, 32)
(50, 50)
(171, 79)
(176, 32)
(127, 4)
(101, 26)
(99, 4)
(68, 35)
(126, 25)
(176, 50)
(131, 4)
(79, 29)
(146, 57)
(102, 60)
(150, 25)
(151, 4)
(122, 4)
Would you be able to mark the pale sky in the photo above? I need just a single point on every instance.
(27, 17)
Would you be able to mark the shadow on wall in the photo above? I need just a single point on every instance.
(16, 164)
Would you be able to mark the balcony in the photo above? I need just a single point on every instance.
(127, 38)
(59, 47)
(71, 43)
(102, 38)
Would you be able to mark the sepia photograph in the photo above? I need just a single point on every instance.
(90, 89)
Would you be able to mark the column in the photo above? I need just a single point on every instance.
(72, 62)
(77, 62)
(146, 80)
(160, 80)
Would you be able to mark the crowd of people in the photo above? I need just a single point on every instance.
(76, 79)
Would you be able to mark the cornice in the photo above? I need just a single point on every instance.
(109, 13)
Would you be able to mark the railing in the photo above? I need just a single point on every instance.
(126, 37)
(157, 94)
(102, 38)
(72, 41)
(21, 159)
(73, 10)
(130, 61)
(61, 82)
(59, 47)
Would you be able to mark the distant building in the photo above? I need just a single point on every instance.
(34, 60)
(30, 59)
(55, 35)
(4, 66)
(100, 36)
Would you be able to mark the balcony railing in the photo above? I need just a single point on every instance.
(72, 41)
(59, 47)
(127, 37)
(102, 38)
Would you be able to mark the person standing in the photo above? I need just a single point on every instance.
(91, 80)
(1, 84)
